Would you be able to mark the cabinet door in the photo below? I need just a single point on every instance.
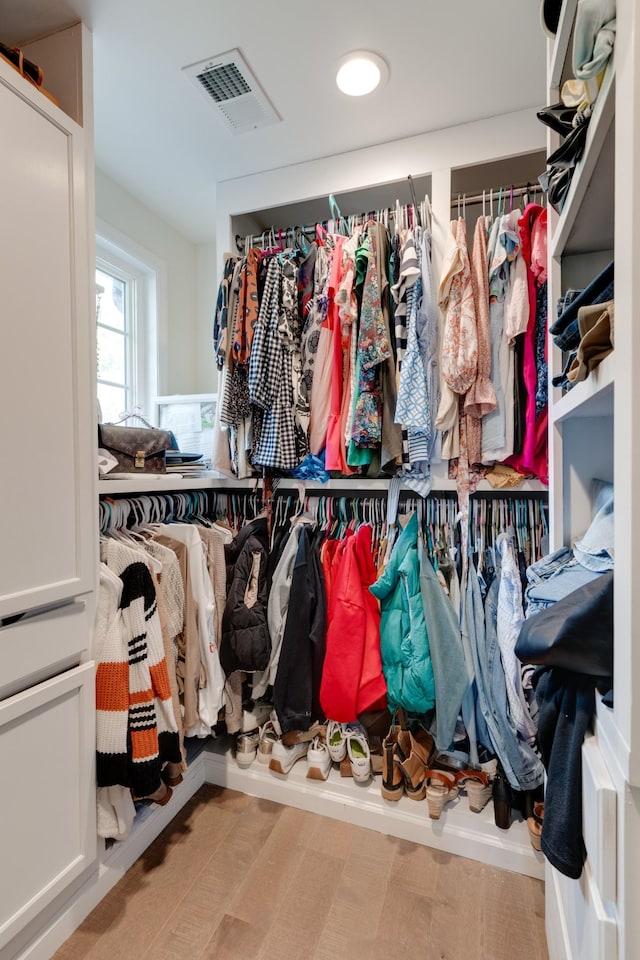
(47, 506)
(47, 804)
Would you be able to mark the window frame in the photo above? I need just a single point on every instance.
(146, 278)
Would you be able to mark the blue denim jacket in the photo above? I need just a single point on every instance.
(522, 767)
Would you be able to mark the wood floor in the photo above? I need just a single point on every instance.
(237, 878)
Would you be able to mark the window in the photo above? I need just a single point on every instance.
(115, 315)
(126, 328)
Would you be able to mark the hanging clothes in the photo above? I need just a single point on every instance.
(296, 690)
(352, 676)
(133, 695)
(404, 644)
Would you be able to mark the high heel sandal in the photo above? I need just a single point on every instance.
(396, 746)
(415, 767)
(478, 788)
(440, 789)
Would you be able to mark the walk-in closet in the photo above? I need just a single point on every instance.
(316, 405)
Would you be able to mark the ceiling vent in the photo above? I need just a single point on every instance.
(233, 91)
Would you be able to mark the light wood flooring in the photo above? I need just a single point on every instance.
(238, 878)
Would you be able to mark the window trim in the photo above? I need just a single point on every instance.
(116, 250)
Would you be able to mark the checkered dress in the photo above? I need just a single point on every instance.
(271, 387)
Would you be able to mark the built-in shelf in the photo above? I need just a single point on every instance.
(587, 219)
(171, 484)
(592, 397)
(561, 45)
(459, 832)
(165, 483)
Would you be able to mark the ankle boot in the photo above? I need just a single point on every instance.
(502, 798)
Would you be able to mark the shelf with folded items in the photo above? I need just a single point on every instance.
(561, 45)
(458, 831)
(592, 397)
(587, 219)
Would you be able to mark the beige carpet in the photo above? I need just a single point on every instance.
(236, 878)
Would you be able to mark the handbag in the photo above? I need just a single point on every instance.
(137, 449)
(575, 633)
(26, 68)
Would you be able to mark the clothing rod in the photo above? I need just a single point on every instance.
(486, 196)
(310, 228)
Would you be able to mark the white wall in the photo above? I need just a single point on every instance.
(186, 358)
(207, 293)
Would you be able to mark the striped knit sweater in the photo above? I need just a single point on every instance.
(136, 726)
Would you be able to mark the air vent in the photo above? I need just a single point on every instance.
(233, 91)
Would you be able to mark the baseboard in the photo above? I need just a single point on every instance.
(149, 824)
(459, 832)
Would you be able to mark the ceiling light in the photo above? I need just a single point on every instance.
(361, 72)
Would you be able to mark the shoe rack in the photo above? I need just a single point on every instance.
(458, 831)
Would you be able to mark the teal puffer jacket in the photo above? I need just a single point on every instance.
(404, 644)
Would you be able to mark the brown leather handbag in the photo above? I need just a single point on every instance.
(26, 68)
(137, 449)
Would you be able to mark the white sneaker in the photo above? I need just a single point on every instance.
(259, 714)
(268, 736)
(359, 756)
(318, 760)
(283, 758)
(336, 741)
(246, 748)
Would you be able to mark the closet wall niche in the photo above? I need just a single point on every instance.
(489, 178)
(317, 210)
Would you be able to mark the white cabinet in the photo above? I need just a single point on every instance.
(48, 542)
(47, 424)
(47, 804)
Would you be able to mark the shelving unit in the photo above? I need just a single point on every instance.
(592, 397)
(210, 481)
(586, 222)
(592, 436)
(561, 45)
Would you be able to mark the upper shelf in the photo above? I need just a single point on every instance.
(209, 481)
(561, 45)
(591, 398)
(587, 219)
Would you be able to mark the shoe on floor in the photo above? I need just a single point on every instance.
(318, 760)
(247, 747)
(256, 716)
(359, 756)
(336, 741)
(268, 736)
(283, 757)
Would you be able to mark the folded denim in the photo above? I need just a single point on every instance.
(553, 577)
(562, 379)
(595, 549)
(565, 330)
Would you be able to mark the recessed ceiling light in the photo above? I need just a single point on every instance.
(361, 72)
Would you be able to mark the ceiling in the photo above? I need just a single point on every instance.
(450, 62)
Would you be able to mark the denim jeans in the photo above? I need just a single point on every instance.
(522, 766)
(595, 549)
(565, 330)
(553, 578)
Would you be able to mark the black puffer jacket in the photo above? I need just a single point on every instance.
(246, 644)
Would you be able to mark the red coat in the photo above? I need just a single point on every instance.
(352, 678)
